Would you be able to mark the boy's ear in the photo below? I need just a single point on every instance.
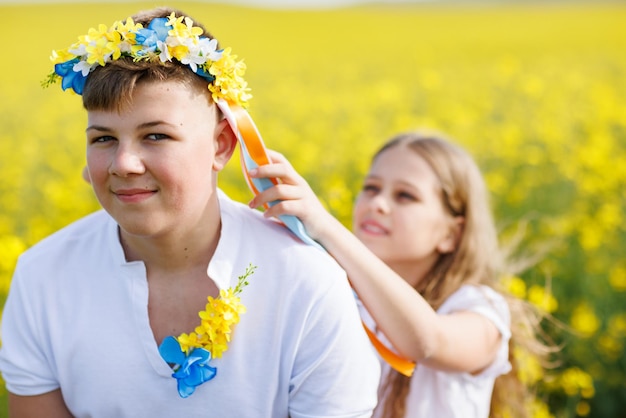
(85, 175)
(225, 143)
(451, 241)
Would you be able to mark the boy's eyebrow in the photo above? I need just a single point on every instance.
(97, 128)
(140, 126)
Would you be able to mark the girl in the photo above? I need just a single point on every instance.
(424, 260)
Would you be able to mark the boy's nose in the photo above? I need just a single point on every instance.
(126, 161)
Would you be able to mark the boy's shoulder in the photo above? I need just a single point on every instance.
(252, 223)
(244, 226)
(79, 232)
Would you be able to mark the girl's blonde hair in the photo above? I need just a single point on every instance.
(477, 259)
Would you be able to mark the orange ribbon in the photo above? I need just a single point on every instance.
(398, 363)
(252, 148)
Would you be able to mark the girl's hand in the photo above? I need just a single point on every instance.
(293, 195)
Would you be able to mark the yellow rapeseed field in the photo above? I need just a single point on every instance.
(537, 93)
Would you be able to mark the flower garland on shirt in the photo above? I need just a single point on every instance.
(191, 353)
(165, 39)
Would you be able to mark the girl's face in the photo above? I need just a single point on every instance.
(153, 165)
(399, 214)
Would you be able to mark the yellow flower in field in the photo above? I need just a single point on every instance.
(590, 237)
(529, 368)
(617, 325)
(539, 297)
(610, 347)
(575, 380)
(584, 320)
(516, 286)
(11, 247)
(617, 278)
(539, 409)
(583, 408)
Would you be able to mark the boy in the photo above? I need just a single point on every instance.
(109, 316)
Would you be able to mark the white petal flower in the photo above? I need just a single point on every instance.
(165, 53)
(83, 67)
(78, 50)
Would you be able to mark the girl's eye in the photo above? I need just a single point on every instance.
(157, 137)
(370, 189)
(406, 196)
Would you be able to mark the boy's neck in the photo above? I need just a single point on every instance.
(175, 252)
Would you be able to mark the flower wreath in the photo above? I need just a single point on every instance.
(165, 39)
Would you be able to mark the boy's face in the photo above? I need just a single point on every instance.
(153, 166)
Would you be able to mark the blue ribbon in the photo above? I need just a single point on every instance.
(294, 224)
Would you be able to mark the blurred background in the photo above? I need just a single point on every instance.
(536, 91)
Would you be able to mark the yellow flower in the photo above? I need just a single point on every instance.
(583, 408)
(575, 380)
(617, 325)
(96, 34)
(188, 341)
(584, 320)
(129, 39)
(61, 55)
(218, 319)
(539, 297)
(99, 51)
(539, 409)
(128, 27)
(182, 30)
(179, 51)
(529, 368)
(617, 278)
(229, 82)
(516, 286)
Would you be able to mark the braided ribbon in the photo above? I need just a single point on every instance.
(254, 154)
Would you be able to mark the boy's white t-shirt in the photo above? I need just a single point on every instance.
(441, 394)
(77, 319)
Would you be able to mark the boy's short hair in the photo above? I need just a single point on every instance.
(111, 87)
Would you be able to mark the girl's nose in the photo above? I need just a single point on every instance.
(380, 203)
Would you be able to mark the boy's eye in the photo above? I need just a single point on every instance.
(101, 139)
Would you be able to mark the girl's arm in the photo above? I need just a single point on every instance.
(463, 341)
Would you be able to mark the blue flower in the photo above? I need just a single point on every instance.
(191, 370)
(147, 38)
(70, 78)
(159, 26)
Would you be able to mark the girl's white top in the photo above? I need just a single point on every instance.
(441, 394)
